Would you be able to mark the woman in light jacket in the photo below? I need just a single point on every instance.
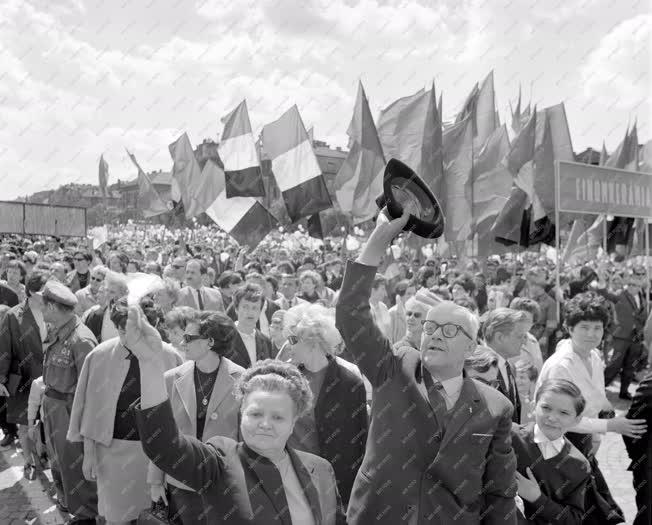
(103, 418)
(256, 481)
(203, 404)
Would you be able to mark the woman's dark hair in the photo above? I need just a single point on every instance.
(401, 287)
(228, 278)
(482, 359)
(271, 375)
(250, 291)
(85, 254)
(562, 386)
(424, 274)
(273, 281)
(466, 282)
(587, 306)
(217, 326)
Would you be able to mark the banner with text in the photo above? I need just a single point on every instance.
(584, 188)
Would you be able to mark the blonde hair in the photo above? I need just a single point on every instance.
(315, 321)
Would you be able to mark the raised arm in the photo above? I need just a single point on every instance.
(371, 350)
(184, 458)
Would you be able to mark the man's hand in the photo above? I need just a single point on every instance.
(381, 238)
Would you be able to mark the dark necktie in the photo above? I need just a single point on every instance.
(436, 397)
(200, 301)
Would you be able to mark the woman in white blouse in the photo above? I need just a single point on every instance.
(578, 360)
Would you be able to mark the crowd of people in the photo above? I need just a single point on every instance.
(325, 382)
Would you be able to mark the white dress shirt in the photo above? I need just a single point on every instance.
(450, 391)
(566, 364)
(549, 449)
(249, 340)
(40, 322)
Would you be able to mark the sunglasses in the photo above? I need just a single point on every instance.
(416, 315)
(448, 330)
(97, 280)
(79, 259)
(189, 338)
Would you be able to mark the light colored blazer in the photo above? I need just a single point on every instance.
(98, 388)
(85, 300)
(211, 298)
(221, 416)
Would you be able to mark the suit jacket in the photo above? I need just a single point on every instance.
(94, 322)
(238, 351)
(211, 298)
(243, 487)
(510, 391)
(85, 300)
(414, 470)
(222, 410)
(98, 388)
(21, 353)
(342, 423)
(7, 296)
(640, 450)
(630, 318)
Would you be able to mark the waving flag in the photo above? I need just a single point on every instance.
(360, 178)
(103, 176)
(150, 202)
(295, 166)
(238, 152)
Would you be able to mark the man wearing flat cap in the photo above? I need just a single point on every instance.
(67, 344)
(439, 446)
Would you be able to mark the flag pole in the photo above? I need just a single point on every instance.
(557, 254)
(647, 262)
(604, 234)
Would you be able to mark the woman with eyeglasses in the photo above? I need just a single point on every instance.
(202, 401)
(103, 418)
(256, 481)
(336, 428)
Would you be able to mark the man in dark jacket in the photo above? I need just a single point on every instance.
(439, 447)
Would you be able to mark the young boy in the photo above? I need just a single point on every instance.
(552, 475)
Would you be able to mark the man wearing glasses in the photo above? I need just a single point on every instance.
(89, 296)
(80, 276)
(629, 353)
(439, 446)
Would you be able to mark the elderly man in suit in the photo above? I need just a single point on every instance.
(631, 310)
(195, 294)
(439, 447)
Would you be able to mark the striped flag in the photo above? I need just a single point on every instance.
(103, 175)
(238, 152)
(243, 218)
(149, 201)
(295, 166)
(360, 178)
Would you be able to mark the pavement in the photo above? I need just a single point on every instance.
(27, 502)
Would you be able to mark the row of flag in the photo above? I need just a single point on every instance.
(491, 189)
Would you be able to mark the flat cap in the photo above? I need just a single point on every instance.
(59, 293)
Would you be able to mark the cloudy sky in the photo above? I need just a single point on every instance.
(79, 78)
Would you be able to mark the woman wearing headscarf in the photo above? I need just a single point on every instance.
(259, 480)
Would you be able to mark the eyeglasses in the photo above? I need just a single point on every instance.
(448, 330)
(97, 279)
(189, 338)
(416, 315)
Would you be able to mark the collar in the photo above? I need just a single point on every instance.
(250, 334)
(66, 329)
(451, 386)
(540, 438)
